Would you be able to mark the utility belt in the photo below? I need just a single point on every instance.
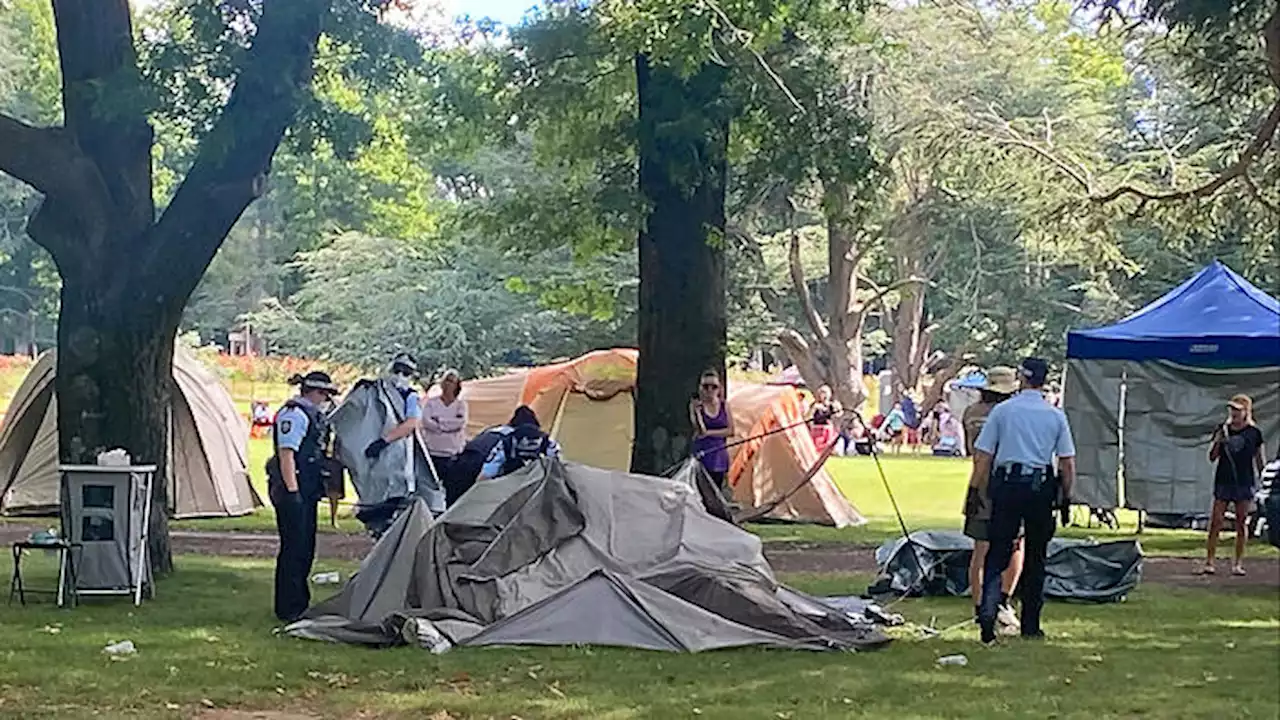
(1019, 474)
(311, 475)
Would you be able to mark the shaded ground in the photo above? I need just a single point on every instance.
(785, 557)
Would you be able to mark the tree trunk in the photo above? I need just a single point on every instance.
(683, 141)
(115, 379)
(910, 340)
(126, 274)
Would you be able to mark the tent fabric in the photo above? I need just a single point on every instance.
(402, 470)
(1092, 401)
(208, 474)
(936, 562)
(586, 405)
(1170, 412)
(561, 554)
(1216, 318)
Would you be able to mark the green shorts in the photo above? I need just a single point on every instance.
(978, 529)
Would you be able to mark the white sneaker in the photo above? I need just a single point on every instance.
(1007, 621)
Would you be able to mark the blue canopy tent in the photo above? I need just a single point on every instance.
(1144, 395)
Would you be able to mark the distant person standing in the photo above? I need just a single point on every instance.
(1001, 382)
(444, 425)
(824, 411)
(1013, 458)
(1237, 447)
(894, 427)
(295, 483)
(712, 427)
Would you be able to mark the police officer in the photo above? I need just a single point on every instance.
(1013, 457)
(295, 483)
(520, 441)
(400, 374)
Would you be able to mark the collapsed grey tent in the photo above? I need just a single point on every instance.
(208, 475)
(936, 562)
(402, 470)
(563, 554)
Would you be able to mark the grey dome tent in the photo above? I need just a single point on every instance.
(1145, 394)
(208, 446)
(565, 554)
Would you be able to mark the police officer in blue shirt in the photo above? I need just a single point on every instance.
(400, 374)
(1014, 454)
(295, 483)
(521, 440)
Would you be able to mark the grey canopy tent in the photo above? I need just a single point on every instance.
(564, 554)
(1145, 395)
(936, 562)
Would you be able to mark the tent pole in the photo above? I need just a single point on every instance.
(555, 424)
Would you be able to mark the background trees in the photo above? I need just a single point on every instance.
(849, 185)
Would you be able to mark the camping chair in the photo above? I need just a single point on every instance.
(261, 419)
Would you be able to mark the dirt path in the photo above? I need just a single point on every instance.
(785, 557)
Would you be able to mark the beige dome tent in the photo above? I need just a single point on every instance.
(207, 478)
(586, 405)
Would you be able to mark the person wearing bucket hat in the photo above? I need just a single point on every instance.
(295, 483)
(1238, 449)
(1001, 382)
(1014, 459)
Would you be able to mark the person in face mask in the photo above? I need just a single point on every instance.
(400, 374)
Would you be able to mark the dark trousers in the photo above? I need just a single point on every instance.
(296, 523)
(1015, 505)
(455, 484)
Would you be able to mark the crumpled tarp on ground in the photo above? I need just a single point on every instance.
(563, 554)
(936, 562)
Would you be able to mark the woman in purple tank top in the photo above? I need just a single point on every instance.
(712, 426)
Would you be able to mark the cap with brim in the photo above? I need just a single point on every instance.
(1002, 379)
(319, 381)
(1240, 402)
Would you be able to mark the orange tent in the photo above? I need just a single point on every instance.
(586, 405)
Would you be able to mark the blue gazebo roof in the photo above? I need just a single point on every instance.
(1216, 318)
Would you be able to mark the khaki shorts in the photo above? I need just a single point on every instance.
(979, 530)
(976, 529)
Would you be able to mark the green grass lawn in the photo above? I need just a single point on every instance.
(930, 492)
(206, 641)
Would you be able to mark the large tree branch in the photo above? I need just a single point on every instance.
(878, 296)
(1236, 170)
(231, 167)
(37, 156)
(801, 286)
(76, 204)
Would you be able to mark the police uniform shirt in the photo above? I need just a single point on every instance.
(498, 456)
(1026, 429)
(291, 427)
(412, 406)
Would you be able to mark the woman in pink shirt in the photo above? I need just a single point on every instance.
(444, 427)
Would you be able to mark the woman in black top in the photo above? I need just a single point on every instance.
(1237, 448)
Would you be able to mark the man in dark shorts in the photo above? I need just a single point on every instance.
(1001, 382)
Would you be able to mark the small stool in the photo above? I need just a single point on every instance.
(66, 571)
